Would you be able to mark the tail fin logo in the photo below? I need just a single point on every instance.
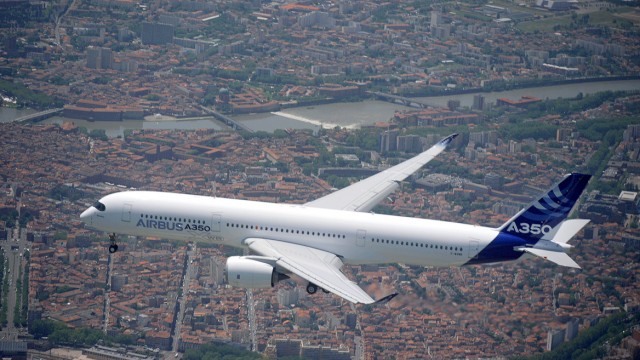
(548, 211)
(526, 228)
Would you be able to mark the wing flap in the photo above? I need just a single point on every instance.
(366, 194)
(316, 266)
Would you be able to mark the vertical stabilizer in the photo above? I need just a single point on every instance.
(543, 215)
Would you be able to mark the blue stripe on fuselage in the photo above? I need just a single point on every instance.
(500, 249)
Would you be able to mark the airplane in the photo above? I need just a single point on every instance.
(314, 240)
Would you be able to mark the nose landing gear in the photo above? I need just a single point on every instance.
(113, 247)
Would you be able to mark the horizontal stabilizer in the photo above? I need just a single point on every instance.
(566, 230)
(557, 257)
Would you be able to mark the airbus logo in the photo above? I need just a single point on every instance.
(170, 225)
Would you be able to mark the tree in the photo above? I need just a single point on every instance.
(99, 134)
(213, 351)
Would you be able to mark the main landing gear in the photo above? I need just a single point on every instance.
(113, 247)
(313, 288)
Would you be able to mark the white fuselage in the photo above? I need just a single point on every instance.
(358, 238)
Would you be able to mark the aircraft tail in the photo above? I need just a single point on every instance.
(543, 215)
(543, 225)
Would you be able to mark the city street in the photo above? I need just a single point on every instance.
(190, 271)
(13, 249)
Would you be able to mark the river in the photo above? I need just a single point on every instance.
(339, 114)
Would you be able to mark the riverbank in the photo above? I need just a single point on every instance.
(507, 86)
(450, 92)
(351, 115)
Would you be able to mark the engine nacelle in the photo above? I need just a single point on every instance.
(245, 272)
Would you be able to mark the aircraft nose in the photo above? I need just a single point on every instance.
(87, 216)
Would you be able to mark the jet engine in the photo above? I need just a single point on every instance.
(252, 272)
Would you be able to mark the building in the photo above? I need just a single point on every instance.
(453, 104)
(563, 134)
(484, 138)
(93, 57)
(409, 143)
(432, 186)
(317, 18)
(13, 349)
(296, 349)
(631, 133)
(158, 339)
(99, 58)
(388, 141)
(286, 348)
(118, 281)
(157, 34)
(106, 58)
(478, 102)
(554, 339)
(217, 271)
(494, 181)
(560, 5)
(436, 19)
(109, 353)
(288, 297)
(522, 103)
(601, 208)
(572, 329)
(264, 72)
(324, 353)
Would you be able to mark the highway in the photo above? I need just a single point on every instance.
(190, 271)
(251, 313)
(107, 299)
(13, 249)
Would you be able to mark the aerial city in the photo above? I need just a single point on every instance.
(319, 179)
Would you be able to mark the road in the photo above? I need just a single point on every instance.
(58, 20)
(13, 249)
(251, 313)
(190, 271)
(360, 350)
(107, 299)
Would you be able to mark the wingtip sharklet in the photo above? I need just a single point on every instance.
(386, 299)
(447, 140)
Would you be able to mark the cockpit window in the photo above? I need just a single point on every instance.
(100, 206)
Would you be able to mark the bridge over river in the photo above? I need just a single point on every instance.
(39, 115)
(399, 100)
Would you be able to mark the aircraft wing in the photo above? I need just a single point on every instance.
(366, 194)
(316, 266)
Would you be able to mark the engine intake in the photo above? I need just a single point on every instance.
(248, 273)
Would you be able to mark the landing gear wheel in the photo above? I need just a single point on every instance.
(325, 291)
(312, 288)
(113, 247)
